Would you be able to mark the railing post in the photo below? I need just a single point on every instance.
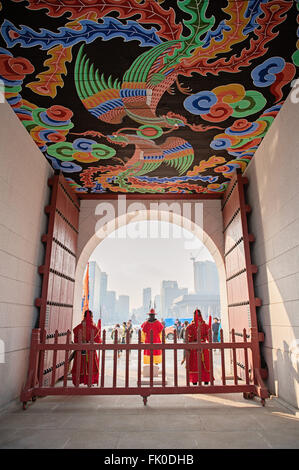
(127, 360)
(89, 359)
(26, 394)
(199, 356)
(66, 359)
(54, 362)
(79, 357)
(234, 358)
(163, 359)
(43, 335)
(222, 359)
(115, 353)
(139, 360)
(103, 361)
(211, 358)
(151, 359)
(187, 362)
(246, 357)
(175, 359)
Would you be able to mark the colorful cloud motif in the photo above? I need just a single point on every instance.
(241, 140)
(225, 101)
(66, 167)
(200, 103)
(82, 150)
(265, 74)
(47, 126)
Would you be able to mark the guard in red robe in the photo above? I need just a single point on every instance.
(152, 324)
(191, 333)
(86, 327)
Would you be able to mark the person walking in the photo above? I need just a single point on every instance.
(129, 328)
(117, 329)
(183, 337)
(215, 331)
(178, 328)
(183, 330)
(123, 333)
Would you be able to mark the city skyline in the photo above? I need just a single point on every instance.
(126, 259)
(173, 301)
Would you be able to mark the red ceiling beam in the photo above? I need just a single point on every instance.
(105, 196)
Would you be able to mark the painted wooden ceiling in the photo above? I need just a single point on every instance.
(143, 96)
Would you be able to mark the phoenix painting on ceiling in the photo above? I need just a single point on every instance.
(144, 96)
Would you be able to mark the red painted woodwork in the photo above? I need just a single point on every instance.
(107, 196)
(58, 271)
(241, 298)
(50, 352)
(220, 384)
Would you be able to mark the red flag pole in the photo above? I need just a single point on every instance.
(99, 327)
(85, 299)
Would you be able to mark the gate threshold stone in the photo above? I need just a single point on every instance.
(156, 381)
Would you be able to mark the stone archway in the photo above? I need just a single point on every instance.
(207, 227)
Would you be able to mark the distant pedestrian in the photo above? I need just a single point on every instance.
(183, 330)
(117, 329)
(183, 337)
(215, 330)
(129, 329)
(178, 328)
(123, 332)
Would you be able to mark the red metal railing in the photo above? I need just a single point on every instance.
(171, 379)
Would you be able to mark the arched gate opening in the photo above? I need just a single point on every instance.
(228, 242)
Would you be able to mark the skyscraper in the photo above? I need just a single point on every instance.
(110, 304)
(157, 303)
(123, 307)
(205, 277)
(206, 296)
(103, 292)
(169, 292)
(146, 296)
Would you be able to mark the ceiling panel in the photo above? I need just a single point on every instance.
(148, 96)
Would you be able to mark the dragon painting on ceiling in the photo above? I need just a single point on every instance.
(145, 96)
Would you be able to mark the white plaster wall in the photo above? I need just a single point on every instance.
(24, 193)
(210, 233)
(273, 193)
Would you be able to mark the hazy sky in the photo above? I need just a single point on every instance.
(133, 259)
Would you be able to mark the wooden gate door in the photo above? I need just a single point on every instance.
(242, 302)
(58, 271)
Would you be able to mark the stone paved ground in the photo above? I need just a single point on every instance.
(167, 422)
(222, 421)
